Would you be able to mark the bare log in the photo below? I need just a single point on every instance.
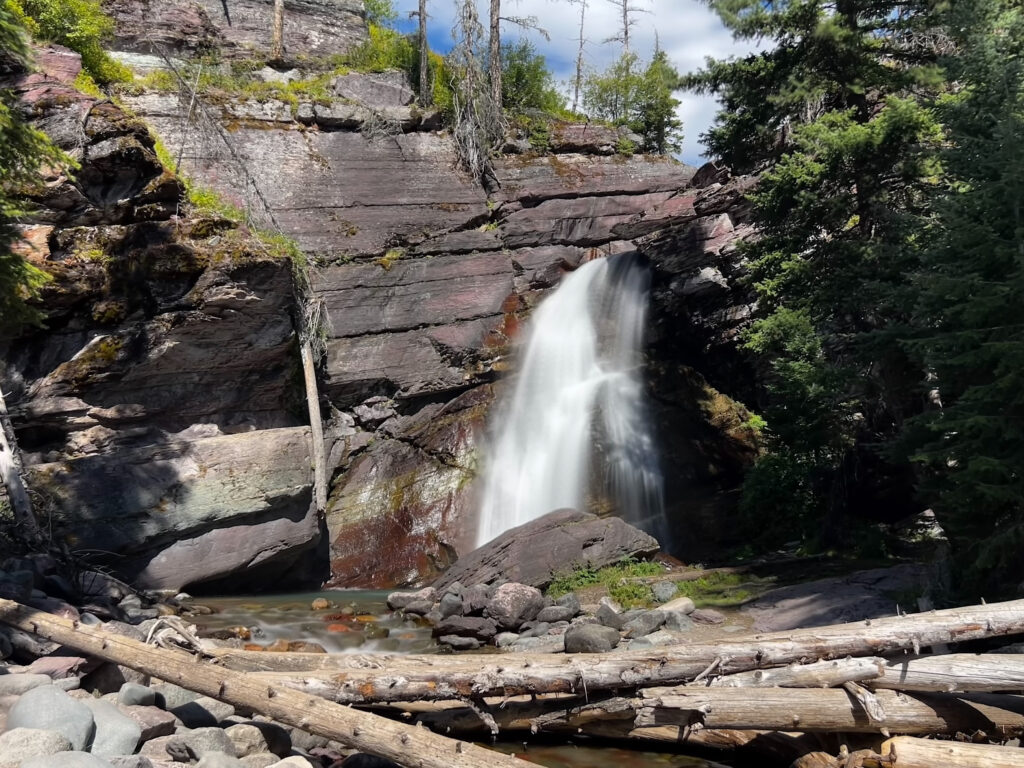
(820, 674)
(409, 746)
(378, 679)
(955, 672)
(908, 752)
(831, 710)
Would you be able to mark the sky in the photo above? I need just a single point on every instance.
(687, 30)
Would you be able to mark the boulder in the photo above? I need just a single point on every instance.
(644, 624)
(202, 741)
(707, 616)
(460, 643)
(513, 604)
(66, 760)
(450, 605)
(260, 760)
(556, 613)
(677, 621)
(467, 626)
(153, 721)
(680, 604)
(399, 600)
(608, 614)
(569, 600)
(15, 685)
(133, 694)
(116, 733)
(247, 738)
(663, 591)
(130, 761)
(557, 542)
(590, 638)
(204, 711)
(219, 760)
(474, 599)
(19, 744)
(51, 709)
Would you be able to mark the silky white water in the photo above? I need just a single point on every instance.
(575, 425)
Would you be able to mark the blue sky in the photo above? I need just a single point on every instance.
(687, 30)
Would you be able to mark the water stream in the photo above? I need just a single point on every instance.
(574, 430)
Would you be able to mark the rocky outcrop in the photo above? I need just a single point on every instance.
(160, 411)
(535, 553)
(167, 332)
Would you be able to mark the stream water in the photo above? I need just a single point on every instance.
(575, 426)
(371, 628)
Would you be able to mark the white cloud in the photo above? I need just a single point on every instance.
(686, 29)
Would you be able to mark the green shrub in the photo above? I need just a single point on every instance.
(614, 577)
(81, 25)
(526, 81)
(385, 49)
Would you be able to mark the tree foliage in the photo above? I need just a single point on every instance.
(526, 81)
(639, 97)
(22, 151)
(969, 326)
(837, 114)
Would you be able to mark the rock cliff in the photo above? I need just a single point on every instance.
(165, 392)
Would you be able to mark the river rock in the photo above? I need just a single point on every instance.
(609, 614)
(654, 640)
(707, 616)
(153, 721)
(545, 644)
(474, 599)
(131, 761)
(67, 760)
(677, 621)
(680, 604)
(259, 760)
(170, 695)
(219, 760)
(133, 694)
(555, 613)
(590, 638)
(50, 709)
(663, 591)
(539, 629)
(202, 712)
(450, 605)
(513, 604)
(644, 624)
(202, 741)
(247, 738)
(461, 643)
(399, 600)
(569, 600)
(15, 685)
(116, 733)
(503, 639)
(20, 744)
(557, 542)
(467, 626)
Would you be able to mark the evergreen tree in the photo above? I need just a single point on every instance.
(971, 303)
(833, 112)
(22, 152)
(526, 81)
(655, 118)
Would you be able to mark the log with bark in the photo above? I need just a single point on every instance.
(406, 745)
(378, 679)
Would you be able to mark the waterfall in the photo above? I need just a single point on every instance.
(575, 423)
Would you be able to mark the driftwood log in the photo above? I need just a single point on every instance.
(364, 679)
(908, 752)
(406, 745)
(954, 672)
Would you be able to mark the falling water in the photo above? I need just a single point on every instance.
(576, 420)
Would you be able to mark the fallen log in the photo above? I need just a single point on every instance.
(406, 745)
(908, 752)
(380, 679)
(820, 674)
(830, 710)
(955, 672)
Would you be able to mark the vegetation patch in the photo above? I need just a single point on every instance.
(721, 589)
(618, 579)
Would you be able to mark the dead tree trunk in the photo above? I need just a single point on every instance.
(494, 53)
(11, 476)
(379, 679)
(316, 426)
(908, 752)
(277, 43)
(954, 672)
(408, 746)
(830, 710)
(578, 80)
(426, 94)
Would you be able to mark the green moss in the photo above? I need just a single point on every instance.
(720, 589)
(388, 259)
(618, 579)
(85, 83)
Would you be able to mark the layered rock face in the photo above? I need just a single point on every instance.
(159, 410)
(426, 279)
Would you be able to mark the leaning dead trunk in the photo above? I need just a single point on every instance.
(426, 96)
(408, 746)
(277, 44)
(494, 53)
(11, 476)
